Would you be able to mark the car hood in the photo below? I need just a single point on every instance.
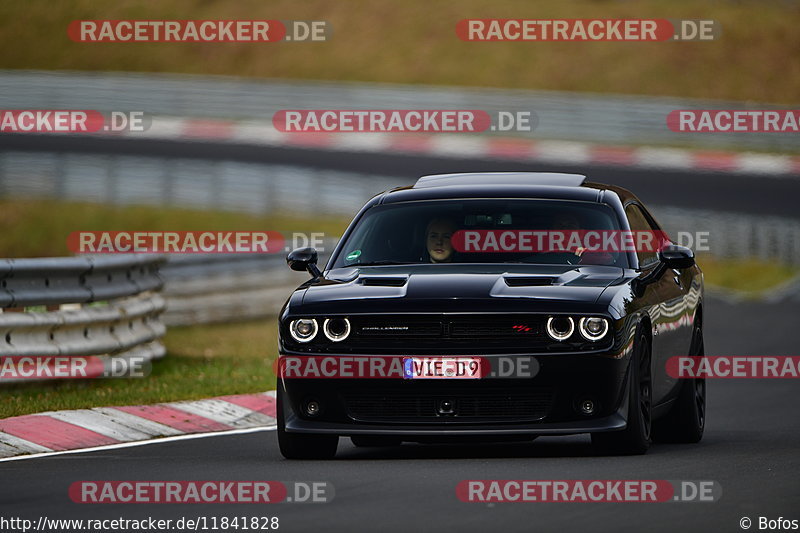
(404, 284)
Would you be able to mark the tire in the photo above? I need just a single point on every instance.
(374, 441)
(303, 445)
(636, 438)
(686, 419)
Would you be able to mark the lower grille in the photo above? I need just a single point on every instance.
(465, 407)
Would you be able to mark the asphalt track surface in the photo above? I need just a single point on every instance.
(750, 446)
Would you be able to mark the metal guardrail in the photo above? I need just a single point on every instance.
(202, 288)
(219, 288)
(226, 185)
(622, 119)
(82, 306)
(264, 188)
(68, 280)
(121, 325)
(736, 235)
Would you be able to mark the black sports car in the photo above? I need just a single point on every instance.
(491, 337)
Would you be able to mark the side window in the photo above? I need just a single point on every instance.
(638, 222)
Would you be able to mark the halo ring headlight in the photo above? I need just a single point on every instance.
(336, 329)
(593, 328)
(303, 329)
(560, 328)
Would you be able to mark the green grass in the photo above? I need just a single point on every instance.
(210, 360)
(201, 361)
(750, 277)
(415, 42)
(39, 228)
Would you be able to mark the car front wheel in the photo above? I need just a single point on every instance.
(635, 439)
(687, 418)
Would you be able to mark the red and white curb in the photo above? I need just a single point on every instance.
(473, 146)
(103, 426)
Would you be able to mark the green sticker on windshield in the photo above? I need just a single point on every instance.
(352, 256)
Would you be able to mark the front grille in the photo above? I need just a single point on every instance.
(473, 406)
(392, 327)
(449, 327)
(448, 334)
(503, 327)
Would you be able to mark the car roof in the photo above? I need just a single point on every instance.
(545, 185)
(501, 178)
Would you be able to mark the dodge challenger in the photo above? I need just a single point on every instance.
(492, 306)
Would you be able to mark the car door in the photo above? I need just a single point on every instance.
(669, 333)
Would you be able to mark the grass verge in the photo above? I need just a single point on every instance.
(750, 277)
(39, 228)
(415, 42)
(212, 360)
(201, 361)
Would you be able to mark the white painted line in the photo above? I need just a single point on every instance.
(154, 429)
(164, 128)
(454, 145)
(99, 423)
(763, 164)
(262, 132)
(360, 142)
(663, 158)
(562, 151)
(141, 443)
(12, 442)
(257, 133)
(225, 413)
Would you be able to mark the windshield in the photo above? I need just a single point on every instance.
(477, 231)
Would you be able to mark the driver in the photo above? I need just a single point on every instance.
(567, 222)
(437, 237)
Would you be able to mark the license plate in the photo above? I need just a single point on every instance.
(442, 368)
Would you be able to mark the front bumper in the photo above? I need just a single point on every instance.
(545, 404)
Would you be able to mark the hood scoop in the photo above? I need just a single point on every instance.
(383, 281)
(529, 281)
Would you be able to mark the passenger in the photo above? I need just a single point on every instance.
(437, 236)
(568, 223)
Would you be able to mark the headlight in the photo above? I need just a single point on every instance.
(560, 328)
(336, 329)
(303, 329)
(593, 328)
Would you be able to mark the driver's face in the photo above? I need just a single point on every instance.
(439, 247)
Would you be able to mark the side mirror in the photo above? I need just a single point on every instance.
(676, 257)
(301, 259)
